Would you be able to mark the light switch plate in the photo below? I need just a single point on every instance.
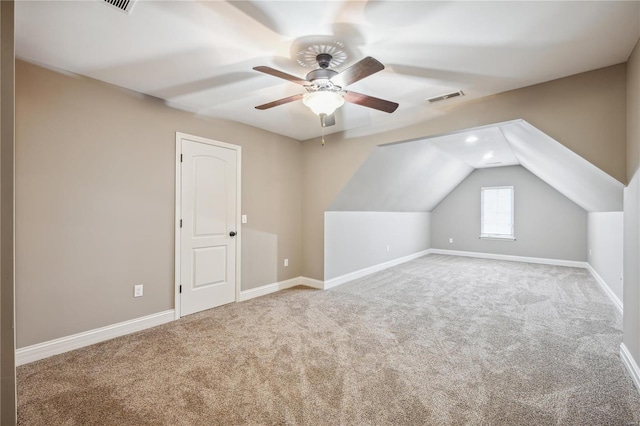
(138, 290)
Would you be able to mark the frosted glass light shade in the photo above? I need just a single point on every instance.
(323, 102)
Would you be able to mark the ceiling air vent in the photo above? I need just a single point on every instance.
(447, 96)
(123, 5)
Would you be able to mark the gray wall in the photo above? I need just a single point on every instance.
(631, 326)
(95, 168)
(547, 224)
(357, 240)
(605, 248)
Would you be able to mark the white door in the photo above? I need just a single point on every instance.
(208, 209)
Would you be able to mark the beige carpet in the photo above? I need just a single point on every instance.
(437, 341)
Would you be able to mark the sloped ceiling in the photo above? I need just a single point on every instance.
(416, 175)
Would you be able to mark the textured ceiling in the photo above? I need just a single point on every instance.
(198, 55)
(417, 175)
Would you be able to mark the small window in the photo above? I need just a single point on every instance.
(496, 212)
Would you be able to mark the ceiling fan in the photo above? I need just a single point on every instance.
(325, 88)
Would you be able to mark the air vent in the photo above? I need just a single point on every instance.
(123, 5)
(447, 96)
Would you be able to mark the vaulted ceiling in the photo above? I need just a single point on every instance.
(417, 175)
(199, 55)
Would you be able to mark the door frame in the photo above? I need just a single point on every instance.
(178, 204)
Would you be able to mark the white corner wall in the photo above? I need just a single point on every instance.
(358, 240)
(630, 349)
(605, 256)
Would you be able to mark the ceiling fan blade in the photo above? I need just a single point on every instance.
(357, 71)
(280, 74)
(281, 101)
(370, 102)
(327, 120)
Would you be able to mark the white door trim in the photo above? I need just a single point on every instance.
(178, 201)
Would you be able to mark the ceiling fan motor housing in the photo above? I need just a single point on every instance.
(321, 74)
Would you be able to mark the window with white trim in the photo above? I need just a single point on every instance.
(496, 212)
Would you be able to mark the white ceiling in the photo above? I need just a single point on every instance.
(479, 148)
(198, 55)
(417, 175)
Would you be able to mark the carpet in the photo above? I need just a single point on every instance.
(440, 340)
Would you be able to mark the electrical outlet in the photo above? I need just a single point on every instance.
(137, 290)
(450, 240)
(244, 218)
(286, 262)
(388, 249)
(589, 252)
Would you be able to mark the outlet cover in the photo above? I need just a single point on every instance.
(244, 218)
(286, 262)
(138, 290)
(450, 240)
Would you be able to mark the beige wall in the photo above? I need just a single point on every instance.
(95, 169)
(7, 331)
(585, 112)
(631, 250)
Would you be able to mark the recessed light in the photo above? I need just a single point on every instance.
(472, 139)
(488, 155)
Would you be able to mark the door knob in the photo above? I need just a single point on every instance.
(232, 234)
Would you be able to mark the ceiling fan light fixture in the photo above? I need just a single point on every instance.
(323, 102)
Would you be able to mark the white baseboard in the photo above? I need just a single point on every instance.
(64, 344)
(269, 288)
(571, 263)
(333, 282)
(540, 260)
(632, 366)
(57, 346)
(612, 296)
(312, 282)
